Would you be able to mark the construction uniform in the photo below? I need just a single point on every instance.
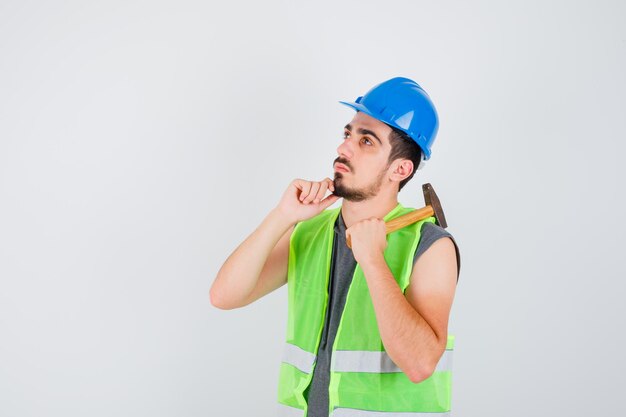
(360, 380)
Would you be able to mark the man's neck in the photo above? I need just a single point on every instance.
(353, 212)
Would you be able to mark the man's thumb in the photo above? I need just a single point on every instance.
(328, 201)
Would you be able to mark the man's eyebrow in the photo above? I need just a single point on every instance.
(364, 132)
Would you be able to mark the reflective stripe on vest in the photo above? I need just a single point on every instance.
(298, 357)
(368, 361)
(353, 412)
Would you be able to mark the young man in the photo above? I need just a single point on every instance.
(368, 325)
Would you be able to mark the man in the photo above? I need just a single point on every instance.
(367, 326)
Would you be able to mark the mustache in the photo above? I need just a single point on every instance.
(341, 161)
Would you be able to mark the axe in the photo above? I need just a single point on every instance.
(432, 208)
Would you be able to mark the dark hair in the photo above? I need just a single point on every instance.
(403, 147)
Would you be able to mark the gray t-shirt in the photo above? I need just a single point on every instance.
(342, 270)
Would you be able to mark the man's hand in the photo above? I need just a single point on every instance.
(305, 199)
(368, 238)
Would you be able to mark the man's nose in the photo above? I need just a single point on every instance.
(345, 149)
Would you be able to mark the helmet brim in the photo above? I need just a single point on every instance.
(361, 108)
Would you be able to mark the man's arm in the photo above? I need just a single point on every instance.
(257, 267)
(414, 326)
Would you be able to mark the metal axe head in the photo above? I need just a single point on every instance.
(431, 199)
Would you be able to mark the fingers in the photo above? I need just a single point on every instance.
(331, 184)
(323, 186)
(314, 191)
(321, 192)
(315, 186)
(304, 187)
(327, 183)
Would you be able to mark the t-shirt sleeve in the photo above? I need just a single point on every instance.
(429, 234)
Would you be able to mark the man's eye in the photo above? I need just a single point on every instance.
(345, 134)
(368, 140)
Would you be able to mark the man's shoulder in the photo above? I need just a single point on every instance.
(434, 228)
(430, 233)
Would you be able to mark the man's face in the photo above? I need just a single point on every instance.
(364, 150)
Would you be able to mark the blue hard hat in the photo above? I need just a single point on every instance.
(403, 104)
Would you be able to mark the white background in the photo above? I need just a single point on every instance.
(142, 141)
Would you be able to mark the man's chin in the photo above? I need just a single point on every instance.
(348, 195)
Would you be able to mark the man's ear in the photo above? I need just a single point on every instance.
(403, 169)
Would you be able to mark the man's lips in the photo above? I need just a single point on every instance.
(341, 168)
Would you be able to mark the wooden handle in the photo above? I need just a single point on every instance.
(404, 220)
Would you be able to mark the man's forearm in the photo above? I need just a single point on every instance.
(408, 339)
(238, 276)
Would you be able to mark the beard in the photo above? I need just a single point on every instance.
(357, 194)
